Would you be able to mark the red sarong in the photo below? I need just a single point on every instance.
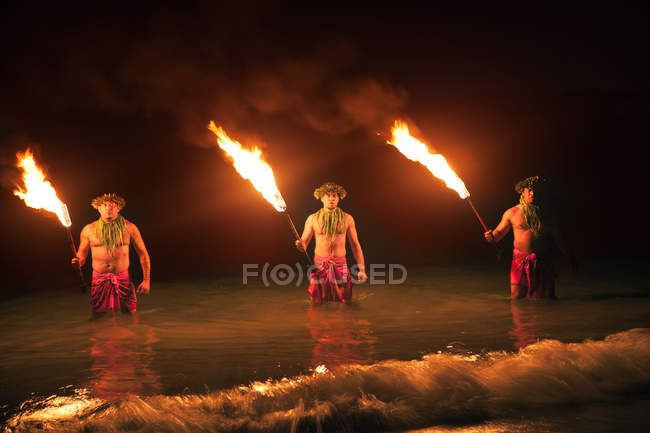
(112, 292)
(534, 275)
(331, 281)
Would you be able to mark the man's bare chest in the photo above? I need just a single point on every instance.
(519, 223)
(319, 231)
(96, 242)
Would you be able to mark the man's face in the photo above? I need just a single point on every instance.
(529, 195)
(330, 200)
(108, 211)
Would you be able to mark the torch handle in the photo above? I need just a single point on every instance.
(72, 245)
(295, 233)
(477, 215)
(484, 226)
(84, 284)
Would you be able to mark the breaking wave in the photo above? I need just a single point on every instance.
(387, 395)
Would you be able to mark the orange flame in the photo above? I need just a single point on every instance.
(250, 166)
(415, 150)
(38, 192)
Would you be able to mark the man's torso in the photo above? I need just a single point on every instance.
(525, 240)
(103, 261)
(329, 246)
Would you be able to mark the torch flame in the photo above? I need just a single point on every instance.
(415, 150)
(38, 192)
(250, 166)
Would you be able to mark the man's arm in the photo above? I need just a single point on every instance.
(84, 247)
(494, 236)
(356, 249)
(145, 262)
(307, 234)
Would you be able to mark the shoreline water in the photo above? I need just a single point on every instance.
(202, 341)
(439, 389)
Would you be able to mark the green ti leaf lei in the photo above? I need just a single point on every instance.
(332, 222)
(111, 233)
(531, 215)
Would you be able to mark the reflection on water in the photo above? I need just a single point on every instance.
(525, 319)
(439, 390)
(392, 359)
(121, 353)
(339, 337)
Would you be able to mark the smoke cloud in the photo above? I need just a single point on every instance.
(201, 72)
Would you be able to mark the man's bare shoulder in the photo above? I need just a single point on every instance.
(515, 210)
(349, 221)
(130, 226)
(89, 227)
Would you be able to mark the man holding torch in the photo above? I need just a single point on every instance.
(108, 240)
(330, 226)
(532, 273)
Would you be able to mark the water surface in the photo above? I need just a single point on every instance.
(445, 351)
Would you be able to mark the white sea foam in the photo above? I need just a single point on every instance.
(388, 395)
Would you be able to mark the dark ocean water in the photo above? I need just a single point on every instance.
(444, 351)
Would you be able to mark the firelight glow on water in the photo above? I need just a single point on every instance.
(442, 352)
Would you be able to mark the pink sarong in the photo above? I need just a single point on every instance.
(112, 292)
(533, 275)
(331, 281)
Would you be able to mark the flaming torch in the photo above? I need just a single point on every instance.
(39, 194)
(250, 165)
(415, 150)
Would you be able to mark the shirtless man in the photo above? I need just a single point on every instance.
(532, 273)
(330, 226)
(108, 240)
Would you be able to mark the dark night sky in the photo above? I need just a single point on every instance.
(117, 100)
